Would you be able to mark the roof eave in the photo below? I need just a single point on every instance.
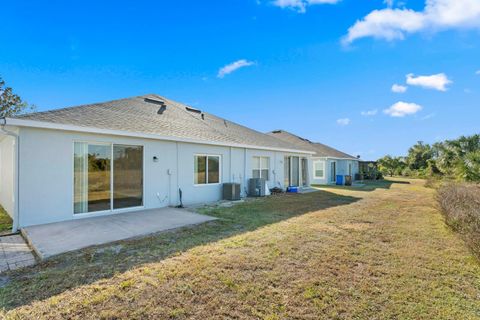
(67, 127)
(336, 158)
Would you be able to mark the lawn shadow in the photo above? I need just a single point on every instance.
(367, 185)
(83, 267)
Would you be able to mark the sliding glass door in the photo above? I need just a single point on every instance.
(287, 170)
(295, 180)
(127, 176)
(304, 172)
(333, 171)
(295, 170)
(107, 177)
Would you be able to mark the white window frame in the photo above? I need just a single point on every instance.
(315, 169)
(111, 210)
(260, 168)
(206, 170)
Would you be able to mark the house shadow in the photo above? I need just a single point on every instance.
(367, 185)
(86, 266)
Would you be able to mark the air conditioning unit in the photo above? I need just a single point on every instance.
(231, 191)
(256, 187)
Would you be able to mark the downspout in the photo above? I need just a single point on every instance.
(16, 210)
(232, 175)
(245, 182)
(177, 173)
(275, 169)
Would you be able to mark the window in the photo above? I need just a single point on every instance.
(102, 184)
(261, 167)
(319, 169)
(206, 169)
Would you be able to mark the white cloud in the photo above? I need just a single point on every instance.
(402, 109)
(343, 122)
(436, 81)
(298, 5)
(311, 2)
(229, 68)
(397, 88)
(392, 24)
(389, 3)
(369, 113)
(301, 5)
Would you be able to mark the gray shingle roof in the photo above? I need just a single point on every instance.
(141, 115)
(320, 149)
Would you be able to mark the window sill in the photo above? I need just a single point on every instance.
(207, 184)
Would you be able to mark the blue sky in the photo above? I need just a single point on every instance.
(306, 66)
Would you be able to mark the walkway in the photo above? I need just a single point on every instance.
(14, 253)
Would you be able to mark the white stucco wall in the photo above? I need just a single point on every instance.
(46, 172)
(315, 180)
(342, 169)
(7, 173)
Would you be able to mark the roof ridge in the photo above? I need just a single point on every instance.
(292, 134)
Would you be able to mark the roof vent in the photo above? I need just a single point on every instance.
(159, 102)
(162, 109)
(155, 101)
(277, 131)
(193, 109)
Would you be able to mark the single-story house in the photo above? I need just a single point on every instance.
(132, 154)
(326, 162)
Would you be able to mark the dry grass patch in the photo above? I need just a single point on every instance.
(335, 254)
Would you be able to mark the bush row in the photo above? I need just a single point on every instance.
(460, 203)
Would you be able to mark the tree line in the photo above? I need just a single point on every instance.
(457, 159)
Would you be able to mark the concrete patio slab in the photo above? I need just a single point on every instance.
(55, 238)
(14, 253)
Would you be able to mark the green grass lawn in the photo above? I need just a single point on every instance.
(5, 222)
(339, 253)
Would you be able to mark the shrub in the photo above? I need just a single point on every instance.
(433, 182)
(460, 203)
(407, 172)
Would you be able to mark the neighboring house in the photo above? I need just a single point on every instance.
(128, 155)
(326, 163)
